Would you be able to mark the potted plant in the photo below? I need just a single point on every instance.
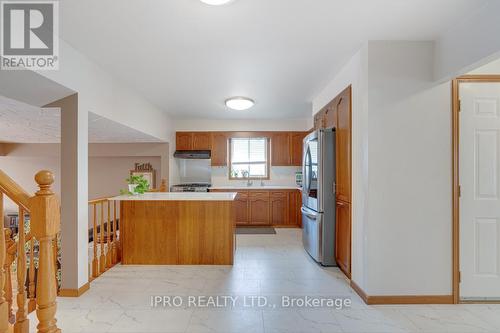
(137, 184)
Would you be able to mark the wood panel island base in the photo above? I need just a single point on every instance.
(177, 228)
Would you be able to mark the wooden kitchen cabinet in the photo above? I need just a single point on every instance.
(201, 141)
(280, 149)
(294, 205)
(241, 206)
(193, 141)
(183, 141)
(319, 119)
(219, 148)
(343, 237)
(296, 143)
(330, 117)
(279, 207)
(259, 208)
(343, 151)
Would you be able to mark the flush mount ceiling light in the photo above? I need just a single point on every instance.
(239, 103)
(216, 2)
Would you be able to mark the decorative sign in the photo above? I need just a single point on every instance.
(147, 171)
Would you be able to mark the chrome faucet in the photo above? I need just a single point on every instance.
(262, 182)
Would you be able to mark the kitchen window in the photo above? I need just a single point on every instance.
(249, 158)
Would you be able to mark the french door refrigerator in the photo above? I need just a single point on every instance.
(318, 196)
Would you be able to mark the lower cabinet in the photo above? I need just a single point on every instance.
(241, 204)
(272, 207)
(343, 237)
(279, 208)
(259, 208)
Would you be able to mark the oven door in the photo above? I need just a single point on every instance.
(310, 170)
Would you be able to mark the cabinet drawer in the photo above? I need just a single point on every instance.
(260, 195)
(242, 196)
(278, 194)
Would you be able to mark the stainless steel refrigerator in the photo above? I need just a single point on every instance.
(318, 196)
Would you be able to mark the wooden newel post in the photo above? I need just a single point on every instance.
(45, 224)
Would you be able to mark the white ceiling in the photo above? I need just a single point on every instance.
(23, 123)
(188, 57)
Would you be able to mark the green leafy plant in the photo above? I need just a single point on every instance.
(141, 184)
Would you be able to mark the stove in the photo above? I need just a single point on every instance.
(190, 187)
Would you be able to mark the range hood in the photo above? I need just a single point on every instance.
(193, 154)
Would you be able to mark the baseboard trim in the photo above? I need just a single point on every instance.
(401, 299)
(74, 292)
(359, 291)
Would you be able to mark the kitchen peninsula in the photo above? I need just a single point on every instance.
(177, 228)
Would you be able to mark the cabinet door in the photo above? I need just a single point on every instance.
(296, 142)
(183, 141)
(294, 204)
(343, 237)
(280, 149)
(319, 119)
(279, 207)
(201, 141)
(219, 148)
(331, 114)
(344, 147)
(259, 208)
(241, 203)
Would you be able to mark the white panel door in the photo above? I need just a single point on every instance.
(480, 199)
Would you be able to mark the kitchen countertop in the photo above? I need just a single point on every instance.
(265, 187)
(178, 196)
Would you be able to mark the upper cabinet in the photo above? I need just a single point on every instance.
(184, 141)
(286, 147)
(193, 141)
(280, 149)
(319, 119)
(343, 109)
(296, 143)
(202, 141)
(219, 148)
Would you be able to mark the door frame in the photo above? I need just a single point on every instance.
(455, 121)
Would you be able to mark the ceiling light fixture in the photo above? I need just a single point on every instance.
(216, 2)
(239, 103)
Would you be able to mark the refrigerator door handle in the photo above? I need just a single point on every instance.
(308, 214)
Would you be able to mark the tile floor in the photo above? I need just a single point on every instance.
(266, 265)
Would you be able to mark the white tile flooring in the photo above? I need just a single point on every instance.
(265, 265)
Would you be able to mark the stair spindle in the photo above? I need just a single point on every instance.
(4, 306)
(31, 277)
(102, 258)
(11, 249)
(22, 322)
(113, 245)
(108, 235)
(95, 262)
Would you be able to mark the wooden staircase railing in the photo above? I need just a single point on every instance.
(105, 236)
(45, 220)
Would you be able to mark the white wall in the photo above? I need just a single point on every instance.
(409, 172)
(109, 165)
(355, 73)
(401, 144)
(491, 68)
(101, 93)
(294, 124)
(470, 43)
